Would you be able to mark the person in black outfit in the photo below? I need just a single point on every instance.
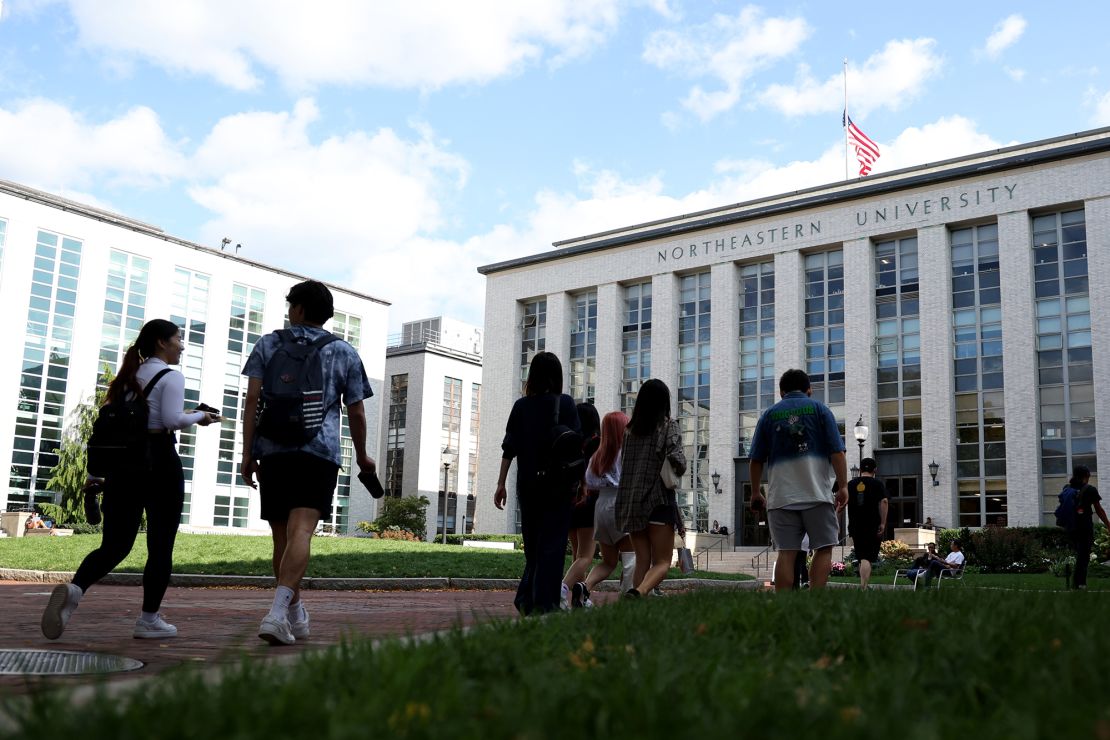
(582, 544)
(157, 488)
(1083, 534)
(544, 514)
(867, 509)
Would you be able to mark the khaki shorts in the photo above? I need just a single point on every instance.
(789, 526)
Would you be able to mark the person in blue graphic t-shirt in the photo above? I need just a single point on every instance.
(798, 441)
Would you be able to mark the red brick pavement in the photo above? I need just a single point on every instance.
(219, 625)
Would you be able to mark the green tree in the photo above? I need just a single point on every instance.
(409, 513)
(68, 476)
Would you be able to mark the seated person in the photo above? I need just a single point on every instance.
(928, 523)
(921, 564)
(35, 522)
(953, 563)
(716, 528)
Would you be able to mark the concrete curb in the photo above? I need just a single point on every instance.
(188, 580)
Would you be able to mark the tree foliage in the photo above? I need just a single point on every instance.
(68, 476)
(408, 513)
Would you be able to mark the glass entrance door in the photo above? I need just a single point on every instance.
(904, 495)
(752, 525)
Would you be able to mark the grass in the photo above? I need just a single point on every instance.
(1020, 581)
(332, 557)
(832, 664)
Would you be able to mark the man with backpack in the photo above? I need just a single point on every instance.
(291, 423)
(1079, 501)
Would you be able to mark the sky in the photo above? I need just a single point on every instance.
(394, 147)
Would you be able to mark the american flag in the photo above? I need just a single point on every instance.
(867, 151)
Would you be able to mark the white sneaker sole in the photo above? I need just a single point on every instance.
(154, 634)
(53, 625)
(275, 636)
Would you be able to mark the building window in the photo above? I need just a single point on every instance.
(395, 435)
(244, 330)
(533, 335)
(824, 311)
(189, 311)
(583, 348)
(451, 426)
(757, 347)
(48, 342)
(475, 430)
(635, 343)
(348, 328)
(124, 306)
(1065, 377)
(898, 343)
(977, 376)
(694, 316)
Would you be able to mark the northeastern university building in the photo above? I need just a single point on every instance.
(958, 310)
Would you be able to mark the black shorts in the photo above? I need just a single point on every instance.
(866, 547)
(293, 480)
(582, 517)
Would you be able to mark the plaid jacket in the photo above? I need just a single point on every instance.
(641, 489)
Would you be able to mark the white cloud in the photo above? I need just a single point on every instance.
(888, 79)
(1005, 34)
(425, 44)
(1100, 103)
(1015, 74)
(729, 49)
(51, 147)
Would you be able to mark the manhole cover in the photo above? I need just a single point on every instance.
(61, 663)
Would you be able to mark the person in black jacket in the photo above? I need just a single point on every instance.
(544, 513)
(1083, 534)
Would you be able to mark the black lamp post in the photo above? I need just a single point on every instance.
(860, 431)
(448, 458)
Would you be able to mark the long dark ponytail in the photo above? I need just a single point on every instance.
(146, 344)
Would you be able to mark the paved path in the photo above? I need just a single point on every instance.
(218, 625)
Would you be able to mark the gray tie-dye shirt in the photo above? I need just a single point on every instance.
(345, 383)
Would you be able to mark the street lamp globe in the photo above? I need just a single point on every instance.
(860, 431)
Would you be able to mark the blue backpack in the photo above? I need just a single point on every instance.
(1067, 513)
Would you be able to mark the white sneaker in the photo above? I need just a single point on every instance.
(564, 597)
(155, 630)
(63, 602)
(298, 622)
(276, 630)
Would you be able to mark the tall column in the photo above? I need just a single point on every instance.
(664, 332)
(937, 421)
(609, 360)
(723, 390)
(789, 312)
(859, 335)
(1019, 370)
(1097, 215)
(560, 319)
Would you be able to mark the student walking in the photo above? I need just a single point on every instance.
(798, 441)
(299, 377)
(574, 592)
(544, 506)
(867, 511)
(153, 483)
(604, 476)
(1082, 532)
(646, 508)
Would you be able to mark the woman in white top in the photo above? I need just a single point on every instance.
(157, 487)
(604, 476)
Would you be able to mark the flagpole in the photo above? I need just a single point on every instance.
(845, 121)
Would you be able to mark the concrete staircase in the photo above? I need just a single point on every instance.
(739, 560)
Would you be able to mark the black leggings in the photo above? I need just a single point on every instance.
(161, 493)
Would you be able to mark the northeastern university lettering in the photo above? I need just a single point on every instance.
(875, 217)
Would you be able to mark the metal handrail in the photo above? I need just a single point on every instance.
(765, 553)
(717, 546)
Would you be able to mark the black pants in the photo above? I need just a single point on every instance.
(544, 524)
(161, 492)
(1082, 540)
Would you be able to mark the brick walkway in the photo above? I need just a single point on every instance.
(218, 625)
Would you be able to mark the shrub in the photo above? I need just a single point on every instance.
(896, 554)
(1063, 567)
(1102, 543)
(945, 537)
(53, 512)
(516, 539)
(409, 513)
(838, 569)
(1007, 550)
(396, 533)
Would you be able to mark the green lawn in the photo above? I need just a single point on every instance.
(830, 665)
(1022, 581)
(332, 557)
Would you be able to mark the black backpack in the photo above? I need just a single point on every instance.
(563, 464)
(1067, 513)
(119, 441)
(291, 411)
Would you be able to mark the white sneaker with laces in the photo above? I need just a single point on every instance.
(276, 630)
(564, 597)
(155, 630)
(63, 602)
(298, 622)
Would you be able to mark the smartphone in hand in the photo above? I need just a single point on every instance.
(207, 409)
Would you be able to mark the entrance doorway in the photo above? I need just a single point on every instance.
(904, 495)
(751, 525)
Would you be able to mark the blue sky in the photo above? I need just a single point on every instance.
(394, 149)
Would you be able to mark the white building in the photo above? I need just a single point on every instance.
(77, 284)
(949, 307)
(433, 374)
